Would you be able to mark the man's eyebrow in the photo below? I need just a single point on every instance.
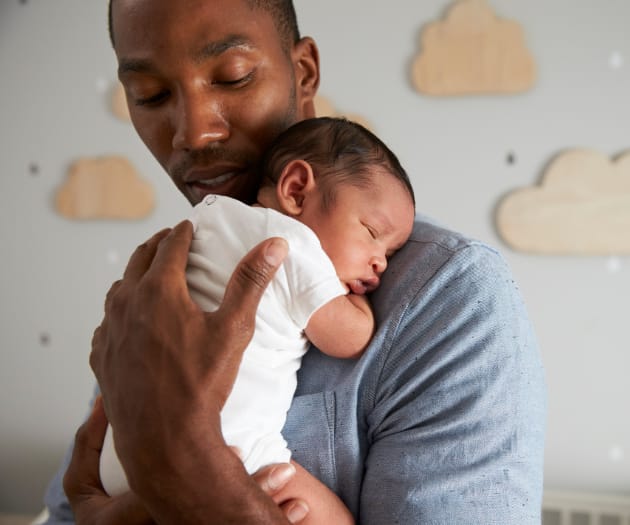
(132, 65)
(210, 50)
(214, 49)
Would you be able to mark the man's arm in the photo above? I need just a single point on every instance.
(342, 327)
(301, 497)
(93, 506)
(165, 369)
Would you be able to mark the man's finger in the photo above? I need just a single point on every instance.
(83, 469)
(111, 293)
(96, 425)
(171, 258)
(129, 510)
(143, 255)
(251, 277)
(172, 252)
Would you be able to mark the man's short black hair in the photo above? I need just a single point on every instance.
(284, 18)
(282, 12)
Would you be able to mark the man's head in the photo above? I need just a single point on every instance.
(210, 83)
(344, 183)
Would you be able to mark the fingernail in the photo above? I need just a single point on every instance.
(280, 475)
(276, 251)
(297, 512)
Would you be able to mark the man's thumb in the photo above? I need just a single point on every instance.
(250, 279)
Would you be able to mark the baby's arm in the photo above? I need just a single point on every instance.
(342, 327)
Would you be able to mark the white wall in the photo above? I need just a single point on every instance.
(55, 63)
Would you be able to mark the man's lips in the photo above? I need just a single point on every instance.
(212, 182)
(212, 176)
(220, 179)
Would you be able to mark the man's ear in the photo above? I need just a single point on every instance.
(305, 57)
(296, 181)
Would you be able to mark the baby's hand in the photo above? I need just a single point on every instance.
(274, 480)
(302, 497)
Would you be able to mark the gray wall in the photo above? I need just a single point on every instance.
(55, 70)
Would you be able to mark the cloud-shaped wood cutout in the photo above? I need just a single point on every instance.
(104, 188)
(119, 103)
(324, 107)
(582, 207)
(472, 51)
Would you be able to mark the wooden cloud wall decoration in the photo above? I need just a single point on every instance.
(119, 103)
(104, 188)
(582, 207)
(324, 107)
(472, 51)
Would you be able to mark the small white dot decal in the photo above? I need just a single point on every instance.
(113, 257)
(101, 85)
(613, 265)
(616, 454)
(616, 60)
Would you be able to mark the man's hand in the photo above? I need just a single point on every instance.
(165, 369)
(92, 506)
(89, 502)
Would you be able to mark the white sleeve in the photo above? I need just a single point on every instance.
(311, 276)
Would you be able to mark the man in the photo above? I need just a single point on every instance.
(440, 421)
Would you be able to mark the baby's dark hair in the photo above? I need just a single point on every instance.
(339, 151)
(282, 12)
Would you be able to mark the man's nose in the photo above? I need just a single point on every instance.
(199, 120)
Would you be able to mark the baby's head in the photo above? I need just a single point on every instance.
(343, 182)
(338, 150)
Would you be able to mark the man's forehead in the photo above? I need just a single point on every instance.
(194, 7)
(177, 9)
(209, 26)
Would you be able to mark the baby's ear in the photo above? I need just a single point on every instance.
(295, 183)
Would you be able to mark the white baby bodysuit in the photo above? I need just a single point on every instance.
(255, 412)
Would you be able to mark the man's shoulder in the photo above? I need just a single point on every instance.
(438, 265)
(432, 249)
(428, 232)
